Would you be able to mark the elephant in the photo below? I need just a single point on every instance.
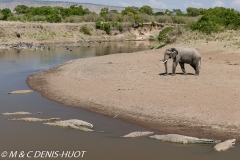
(182, 55)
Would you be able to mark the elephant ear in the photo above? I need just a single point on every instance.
(174, 52)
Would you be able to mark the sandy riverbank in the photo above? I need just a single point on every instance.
(129, 87)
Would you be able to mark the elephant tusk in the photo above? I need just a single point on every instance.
(165, 61)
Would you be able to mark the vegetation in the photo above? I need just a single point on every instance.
(217, 19)
(207, 21)
(86, 30)
(6, 12)
(77, 14)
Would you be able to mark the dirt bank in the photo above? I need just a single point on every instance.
(33, 32)
(130, 87)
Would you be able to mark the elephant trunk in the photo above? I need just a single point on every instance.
(165, 59)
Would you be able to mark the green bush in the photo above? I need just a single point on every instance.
(53, 18)
(173, 35)
(21, 9)
(6, 13)
(163, 33)
(98, 25)
(86, 30)
(120, 27)
(217, 19)
(107, 27)
(153, 24)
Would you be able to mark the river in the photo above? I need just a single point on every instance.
(29, 139)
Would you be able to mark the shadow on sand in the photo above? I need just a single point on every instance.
(169, 74)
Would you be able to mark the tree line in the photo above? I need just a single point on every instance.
(59, 14)
(205, 20)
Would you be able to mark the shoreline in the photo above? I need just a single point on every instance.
(129, 87)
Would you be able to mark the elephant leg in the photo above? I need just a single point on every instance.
(196, 67)
(166, 69)
(174, 65)
(183, 68)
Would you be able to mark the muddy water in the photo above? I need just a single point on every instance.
(35, 138)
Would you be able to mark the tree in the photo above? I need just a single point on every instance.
(130, 11)
(193, 12)
(202, 11)
(21, 9)
(104, 11)
(168, 12)
(43, 10)
(6, 13)
(115, 11)
(74, 10)
(146, 9)
(178, 12)
(159, 13)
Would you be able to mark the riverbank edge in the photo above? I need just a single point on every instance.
(38, 83)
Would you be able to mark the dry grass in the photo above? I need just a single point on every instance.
(67, 32)
(229, 39)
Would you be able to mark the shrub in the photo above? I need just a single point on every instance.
(86, 30)
(153, 24)
(53, 18)
(163, 33)
(217, 19)
(172, 35)
(98, 25)
(107, 27)
(120, 27)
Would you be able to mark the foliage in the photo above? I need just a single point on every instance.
(98, 25)
(159, 13)
(120, 27)
(178, 12)
(193, 12)
(112, 16)
(146, 9)
(170, 35)
(21, 9)
(104, 11)
(130, 11)
(76, 13)
(107, 27)
(103, 26)
(86, 30)
(43, 10)
(6, 13)
(53, 18)
(153, 24)
(115, 11)
(217, 19)
(163, 33)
